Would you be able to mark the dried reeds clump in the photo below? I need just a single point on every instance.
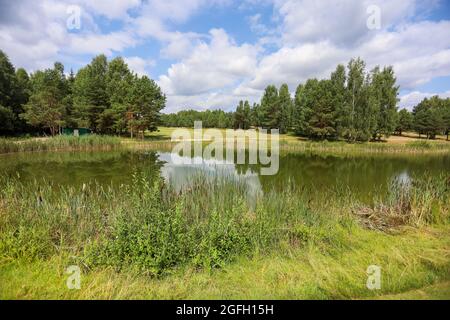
(414, 202)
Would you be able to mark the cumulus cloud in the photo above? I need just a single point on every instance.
(315, 37)
(409, 100)
(208, 68)
(112, 9)
(417, 51)
(296, 65)
(36, 34)
(139, 65)
(343, 22)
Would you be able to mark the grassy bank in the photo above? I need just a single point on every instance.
(146, 241)
(66, 143)
(407, 144)
(160, 140)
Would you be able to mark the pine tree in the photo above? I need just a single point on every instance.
(385, 93)
(145, 101)
(427, 119)
(321, 124)
(45, 107)
(342, 111)
(305, 98)
(357, 100)
(90, 95)
(271, 108)
(404, 121)
(9, 106)
(286, 105)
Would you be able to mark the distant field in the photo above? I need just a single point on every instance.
(164, 133)
(407, 143)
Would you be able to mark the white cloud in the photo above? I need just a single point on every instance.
(139, 65)
(305, 39)
(418, 52)
(296, 65)
(210, 66)
(112, 9)
(100, 43)
(315, 37)
(256, 25)
(409, 100)
(343, 22)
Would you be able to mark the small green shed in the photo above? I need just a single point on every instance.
(76, 131)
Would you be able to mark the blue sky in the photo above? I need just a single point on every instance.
(213, 53)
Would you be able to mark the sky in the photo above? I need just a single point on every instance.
(209, 54)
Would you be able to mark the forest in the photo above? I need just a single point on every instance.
(104, 96)
(108, 98)
(352, 104)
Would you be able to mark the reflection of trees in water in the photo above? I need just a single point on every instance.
(365, 176)
(77, 168)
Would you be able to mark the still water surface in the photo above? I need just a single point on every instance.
(363, 176)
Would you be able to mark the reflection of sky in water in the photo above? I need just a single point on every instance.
(180, 175)
(403, 178)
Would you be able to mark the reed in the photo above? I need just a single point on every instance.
(68, 143)
(148, 227)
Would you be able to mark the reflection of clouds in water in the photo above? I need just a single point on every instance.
(403, 178)
(180, 175)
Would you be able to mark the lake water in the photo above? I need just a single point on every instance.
(363, 176)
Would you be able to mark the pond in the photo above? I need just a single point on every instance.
(363, 176)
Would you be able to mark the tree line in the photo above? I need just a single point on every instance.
(210, 119)
(104, 96)
(352, 104)
(108, 98)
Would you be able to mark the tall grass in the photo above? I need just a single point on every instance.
(150, 228)
(69, 143)
(418, 202)
(344, 148)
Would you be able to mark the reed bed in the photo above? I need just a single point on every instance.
(67, 143)
(150, 228)
(338, 148)
(372, 148)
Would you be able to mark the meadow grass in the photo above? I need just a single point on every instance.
(57, 143)
(148, 241)
(160, 140)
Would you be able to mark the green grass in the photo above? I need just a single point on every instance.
(146, 241)
(440, 291)
(290, 143)
(410, 261)
(160, 140)
(67, 143)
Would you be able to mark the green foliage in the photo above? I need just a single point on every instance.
(351, 105)
(146, 100)
(384, 93)
(109, 98)
(287, 109)
(242, 116)
(103, 96)
(271, 108)
(87, 142)
(209, 118)
(14, 91)
(148, 227)
(404, 121)
(45, 106)
(432, 117)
